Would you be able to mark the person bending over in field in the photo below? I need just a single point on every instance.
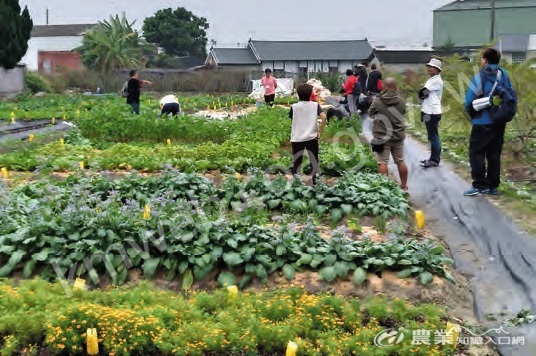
(306, 132)
(169, 104)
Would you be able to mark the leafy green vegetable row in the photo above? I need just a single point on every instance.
(75, 106)
(255, 141)
(82, 233)
(185, 231)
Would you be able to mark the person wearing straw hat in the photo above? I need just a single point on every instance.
(431, 95)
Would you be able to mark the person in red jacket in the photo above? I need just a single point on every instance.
(348, 86)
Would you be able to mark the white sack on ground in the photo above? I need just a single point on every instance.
(319, 88)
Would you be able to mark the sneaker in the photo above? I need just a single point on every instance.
(474, 192)
(493, 191)
(423, 161)
(429, 164)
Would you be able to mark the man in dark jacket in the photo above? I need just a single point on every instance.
(134, 91)
(362, 74)
(487, 137)
(389, 130)
(373, 82)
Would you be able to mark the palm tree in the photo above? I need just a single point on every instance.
(113, 44)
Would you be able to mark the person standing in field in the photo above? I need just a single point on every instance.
(348, 86)
(362, 75)
(133, 91)
(305, 132)
(374, 81)
(389, 130)
(431, 95)
(487, 134)
(269, 83)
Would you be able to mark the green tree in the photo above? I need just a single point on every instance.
(15, 31)
(179, 32)
(113, 44)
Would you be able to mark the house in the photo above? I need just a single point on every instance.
(517, 48)
(238, 59)
(468, 23)
(50, 48)
(399, 60)
(292, 58)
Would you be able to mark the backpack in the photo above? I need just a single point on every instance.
(357, 89)
(124, 90)
(504, 101)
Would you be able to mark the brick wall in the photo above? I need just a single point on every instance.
(58, 62)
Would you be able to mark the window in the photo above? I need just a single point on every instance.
(47, 66)
(279, 73)
(519, 57)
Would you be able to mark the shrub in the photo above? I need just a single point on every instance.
(36, 83)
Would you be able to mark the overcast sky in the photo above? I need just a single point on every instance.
(395, 22)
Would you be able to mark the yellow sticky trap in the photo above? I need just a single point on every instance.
(31, 137)
(79, 284)
(147, 212)
(5, 175)
(92, 342)
(62, 142)
(233, 291)
(292, 348)
(168, 141)
(53, 120)
(78, 113)
(64, 117)
(454, 331)
(12, 117)
(419, 218)
(81, 164)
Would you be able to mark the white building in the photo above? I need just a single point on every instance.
(59, 40)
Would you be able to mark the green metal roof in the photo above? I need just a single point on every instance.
(485, 4)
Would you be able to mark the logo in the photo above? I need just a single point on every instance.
(452, 335)
(389, 337)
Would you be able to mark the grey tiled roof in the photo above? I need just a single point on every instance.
(234, 56)
(312, 50)
(513, 43)
(60, 30)
(485, 4)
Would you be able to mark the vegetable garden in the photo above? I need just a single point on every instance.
(201, 207)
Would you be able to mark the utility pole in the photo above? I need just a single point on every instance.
(492, 21)
(47, 13)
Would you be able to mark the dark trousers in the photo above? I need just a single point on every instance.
(312, 151)
(432, 128)
(170, 108)
(135, 108)
(486, 144)
(269, 99)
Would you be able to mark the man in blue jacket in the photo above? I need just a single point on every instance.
(487, 137)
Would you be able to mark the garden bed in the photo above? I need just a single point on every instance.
(348, 242)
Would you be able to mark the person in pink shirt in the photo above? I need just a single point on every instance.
(269, 84)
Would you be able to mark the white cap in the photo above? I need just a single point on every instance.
(434, 62)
